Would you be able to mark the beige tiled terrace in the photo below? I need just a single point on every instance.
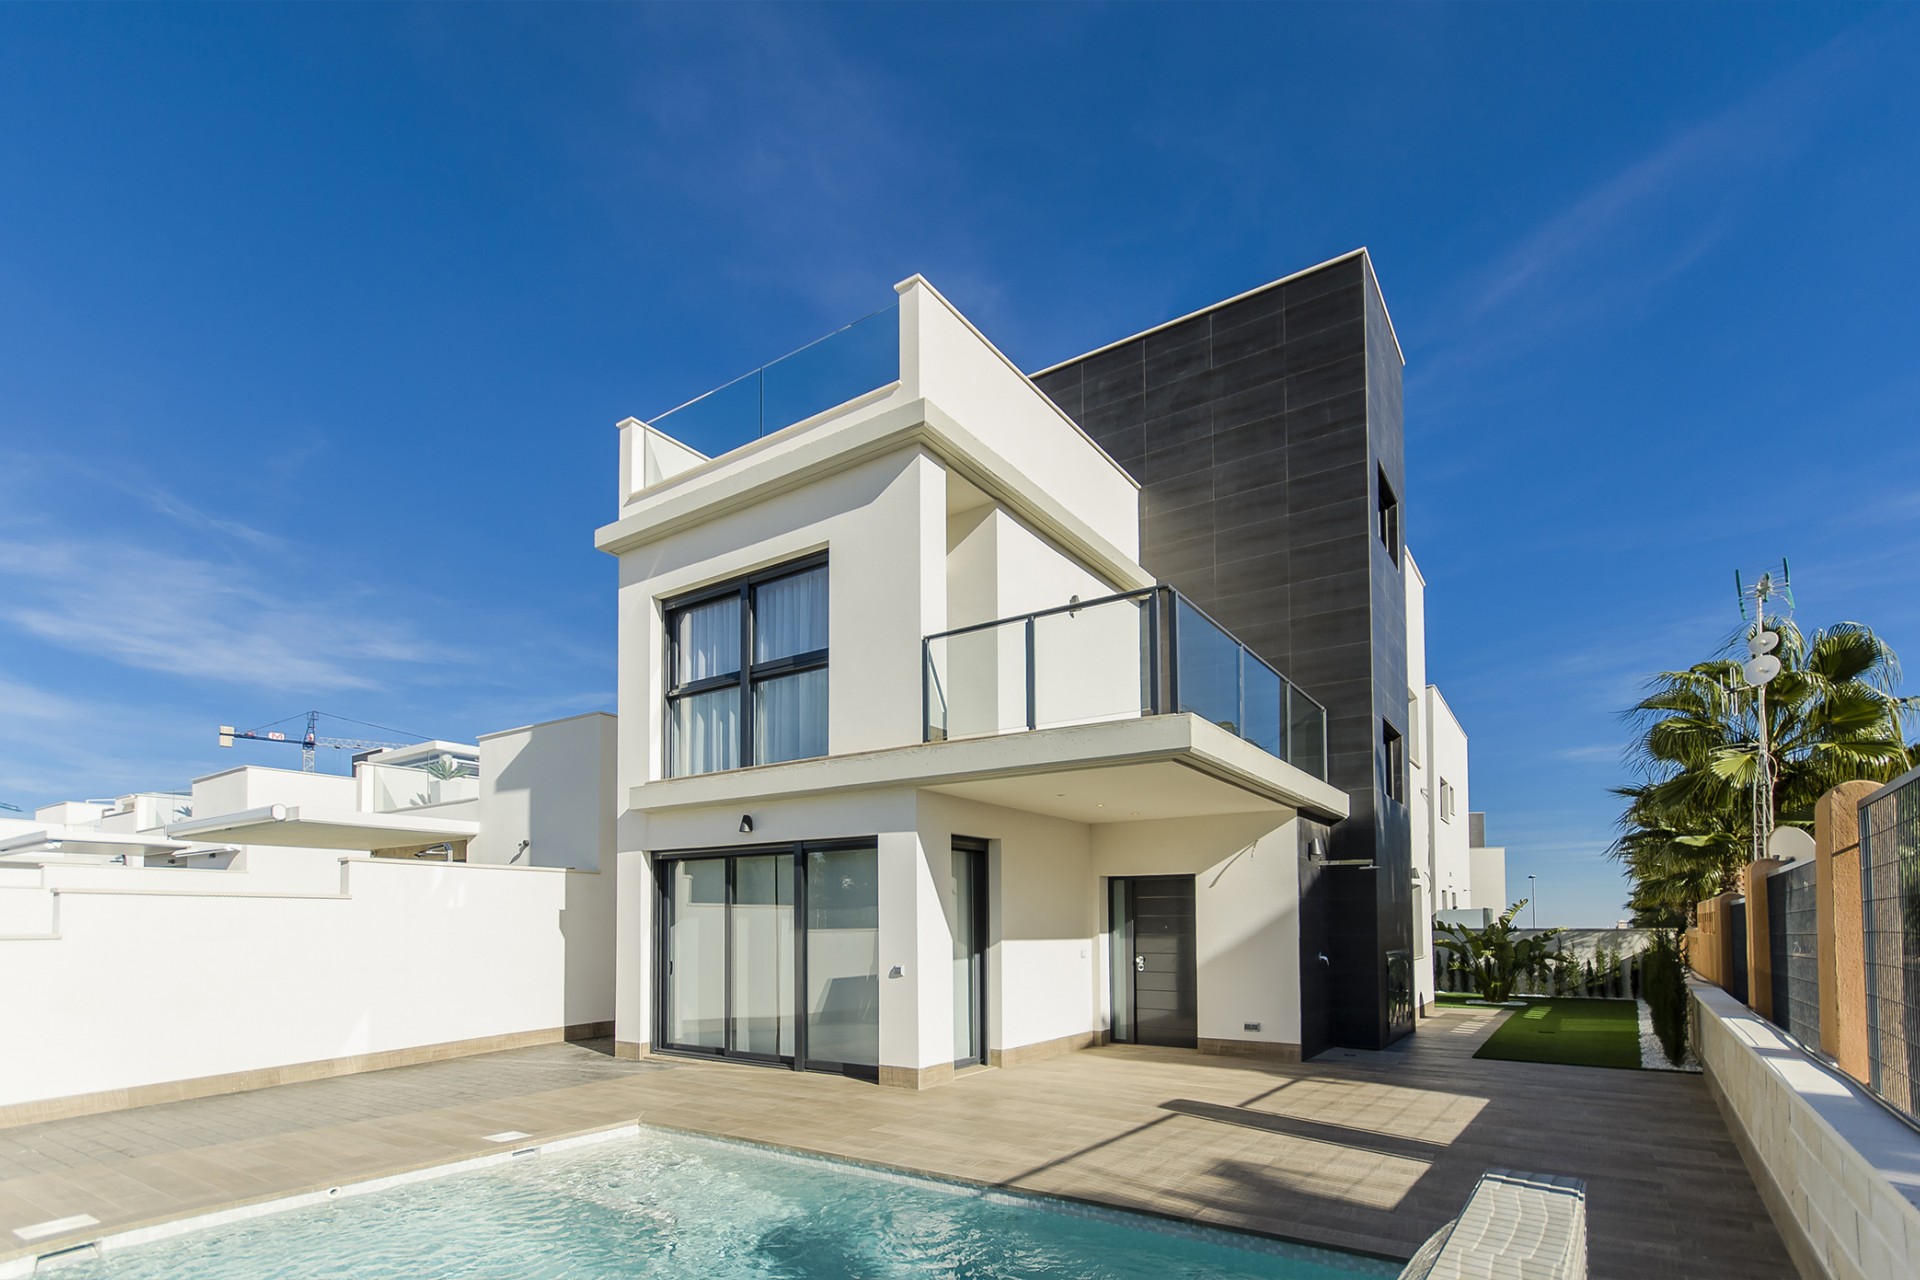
(1368, 1151)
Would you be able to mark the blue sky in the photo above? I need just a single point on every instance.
(316, 321)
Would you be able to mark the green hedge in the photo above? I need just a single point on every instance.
(1663, 982)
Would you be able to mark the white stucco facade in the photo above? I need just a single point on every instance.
(955, 496)
(1450, 875)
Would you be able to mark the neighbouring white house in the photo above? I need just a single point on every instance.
(1489, 868)
(918, 767)
(274, 925)
(1455, 880)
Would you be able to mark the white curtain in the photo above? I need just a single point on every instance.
(790, 615)
(707, 640)
(704, 733)
(790, 717)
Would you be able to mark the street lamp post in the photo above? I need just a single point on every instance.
(1533, 902)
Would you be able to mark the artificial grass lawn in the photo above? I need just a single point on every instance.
(1575, 1033)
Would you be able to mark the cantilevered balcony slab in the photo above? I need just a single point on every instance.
(1171, 766)
(311, 827)
(60, 838)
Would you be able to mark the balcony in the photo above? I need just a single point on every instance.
(418, 784)
(1141, 653)
(826, 373)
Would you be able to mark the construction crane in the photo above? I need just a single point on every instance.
(312, 742)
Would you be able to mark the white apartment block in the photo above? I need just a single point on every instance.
(1455, 879)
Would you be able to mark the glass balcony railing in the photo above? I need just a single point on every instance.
(393, 788)
(829, 371)
(1140, 653)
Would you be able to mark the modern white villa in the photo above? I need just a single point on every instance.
(921, 768)
(918, 766)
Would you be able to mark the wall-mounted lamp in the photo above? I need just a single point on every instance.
(746, 824)
(1315, 850)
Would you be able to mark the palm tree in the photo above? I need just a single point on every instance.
(1832, 716)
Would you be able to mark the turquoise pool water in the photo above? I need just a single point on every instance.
(666, 1205)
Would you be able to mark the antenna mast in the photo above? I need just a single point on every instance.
(1760, 668)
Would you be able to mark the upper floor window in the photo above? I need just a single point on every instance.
(1389, 517)
(747, 671)
(1393, 762)
(1446, 801)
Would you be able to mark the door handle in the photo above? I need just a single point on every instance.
(1140, 964)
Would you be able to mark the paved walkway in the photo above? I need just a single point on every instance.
(1368, 1151)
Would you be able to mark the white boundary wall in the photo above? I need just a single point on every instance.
(120, 977)
(1839, 1174)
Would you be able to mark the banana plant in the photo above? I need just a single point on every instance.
(1494, 958)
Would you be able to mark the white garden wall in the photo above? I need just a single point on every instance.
(1837, 1171)
(337, 959)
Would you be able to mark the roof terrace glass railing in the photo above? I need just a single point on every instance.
(394, 788)
(847, 363)
(1140, 653)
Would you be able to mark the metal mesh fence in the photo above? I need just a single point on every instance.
(1890, 922)
(1793, 940)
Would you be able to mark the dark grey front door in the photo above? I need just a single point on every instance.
(1160, 918)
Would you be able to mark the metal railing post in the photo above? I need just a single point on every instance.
(1033, 699)
(1170, 598)
(1240, 693)
(1286, 719)
(1152, 700)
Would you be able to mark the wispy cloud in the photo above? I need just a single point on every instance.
(58, 745)
(1608, 251)
(1597, 753)
(184, 513)
(29, 704)
(187, 616)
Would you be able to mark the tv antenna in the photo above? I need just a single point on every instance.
(1761, 666)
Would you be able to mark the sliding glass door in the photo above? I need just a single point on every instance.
(697, 954)
(760, 1021)
(729, 962)
(843, 960)
(773, 956)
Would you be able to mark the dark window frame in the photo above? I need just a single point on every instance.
(1393, 763)
(801, 1059)
(750, 672)
(1387, 513)
(980, 871)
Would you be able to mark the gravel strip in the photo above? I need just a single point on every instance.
(1652, 1056)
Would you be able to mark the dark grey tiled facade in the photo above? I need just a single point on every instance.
(1258, 431)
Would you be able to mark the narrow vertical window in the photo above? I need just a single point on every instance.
(1393, 763)
(1389, 517)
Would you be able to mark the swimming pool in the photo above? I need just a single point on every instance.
(663, 1204)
